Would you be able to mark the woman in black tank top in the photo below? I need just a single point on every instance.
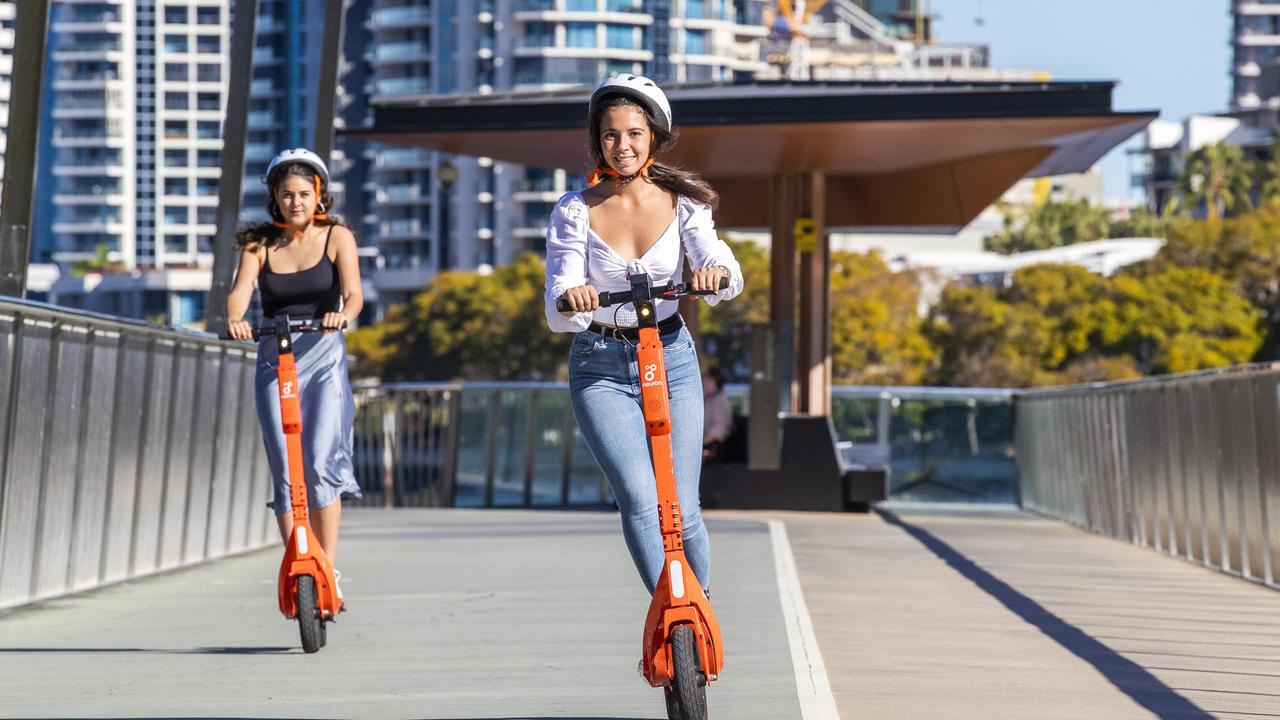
(305, 266)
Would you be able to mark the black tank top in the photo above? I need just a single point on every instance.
(304, 294)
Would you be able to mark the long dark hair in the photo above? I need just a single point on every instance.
(667, 177)
(268, 234)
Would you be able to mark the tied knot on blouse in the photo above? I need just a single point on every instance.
(577, 256)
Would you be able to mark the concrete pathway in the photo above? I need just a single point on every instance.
(454, 615)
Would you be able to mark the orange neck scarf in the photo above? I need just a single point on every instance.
(619, 179)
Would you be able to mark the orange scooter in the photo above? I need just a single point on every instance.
(307, 589)
(681, 646)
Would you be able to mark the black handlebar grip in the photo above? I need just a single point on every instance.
(724, 283)
(562, 305)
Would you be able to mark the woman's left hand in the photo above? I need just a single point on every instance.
(333, 321)
(707, 278)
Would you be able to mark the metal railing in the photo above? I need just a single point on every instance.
(472, 445)
(1188, 465)
(126, 449)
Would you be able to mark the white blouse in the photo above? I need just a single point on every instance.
(577, 256)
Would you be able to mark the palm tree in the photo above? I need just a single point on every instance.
(1217, 176)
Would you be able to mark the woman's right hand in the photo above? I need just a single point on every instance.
(240, 329)
(581, 299)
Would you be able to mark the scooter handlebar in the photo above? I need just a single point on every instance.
(670, 291)
(268, 329)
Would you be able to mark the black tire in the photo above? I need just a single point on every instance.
(687, 696)
(309, 624)
(324, 632)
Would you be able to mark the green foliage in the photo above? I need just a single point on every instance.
(1217, 177)
(1049, 225)
(726, 328)
(466, 326)
(877, 331)
(100, 263)
(1062, 324)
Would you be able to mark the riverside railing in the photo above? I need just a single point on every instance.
(517, 445)
(1188, 465)
(125, 449)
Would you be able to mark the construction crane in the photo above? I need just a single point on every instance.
(788, 39)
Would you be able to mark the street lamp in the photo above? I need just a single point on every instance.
(446, 175)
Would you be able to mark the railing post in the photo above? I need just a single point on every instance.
(530, 443)
(450, 470)
(566, 466)
(491, 452)
(390, 414)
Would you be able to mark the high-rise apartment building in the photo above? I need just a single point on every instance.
(8, 12)
(1255, 46)
(490, 212)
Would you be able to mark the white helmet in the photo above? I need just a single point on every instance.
(298, 155)
(638, 88)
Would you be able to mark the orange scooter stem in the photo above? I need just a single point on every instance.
(302, 553)
(678, 598)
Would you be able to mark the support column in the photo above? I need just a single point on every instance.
(327, 89)
(785, 205)
(31, 30)
(244, 18)
(814, 336)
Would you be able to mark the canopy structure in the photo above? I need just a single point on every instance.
(844, 154)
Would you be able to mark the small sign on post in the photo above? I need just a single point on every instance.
(806, 234)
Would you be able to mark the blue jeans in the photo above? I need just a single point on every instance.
(604, 387)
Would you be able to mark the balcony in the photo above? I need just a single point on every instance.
(402, 52)
(404, 229)
(401, 17)
(402, 194)
(403, 159)
(403, 86)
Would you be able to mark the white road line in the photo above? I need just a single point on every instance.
(816, 701)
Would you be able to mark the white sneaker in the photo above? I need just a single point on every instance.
(337, 582)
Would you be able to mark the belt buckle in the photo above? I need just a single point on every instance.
(619, 335)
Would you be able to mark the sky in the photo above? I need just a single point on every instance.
(1166, 55)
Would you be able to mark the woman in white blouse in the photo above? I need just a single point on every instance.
(637, 216)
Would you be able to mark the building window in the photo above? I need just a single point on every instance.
(208, 129)
(175, 43)
(175, 158)
(177, 214)
(175, 243)
(208, 72)
(208, 15)
(176, 186)
(175, 14)
(208, 44)
(177, 129)
(208, 101)
(207, 158)
(621, 37)
(695, 42)
(176, 101)
(175, 72)
(206, 186)
(695, 8)
(206, 215)
(204, 243)
(580, 5)
(580, 35)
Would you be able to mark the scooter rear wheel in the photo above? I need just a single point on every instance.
(687, 694)
(309, 623)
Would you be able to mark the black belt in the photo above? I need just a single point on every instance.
(671, 324)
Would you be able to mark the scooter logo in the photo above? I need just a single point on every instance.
(650, 372)
(288, 390)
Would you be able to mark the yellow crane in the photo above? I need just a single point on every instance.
(789, 42)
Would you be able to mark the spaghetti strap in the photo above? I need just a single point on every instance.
(266, 258)
(326, 243)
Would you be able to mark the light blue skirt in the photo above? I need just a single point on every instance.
(328, 417)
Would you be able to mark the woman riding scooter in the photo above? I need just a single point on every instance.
(305, 266)
(639, 216)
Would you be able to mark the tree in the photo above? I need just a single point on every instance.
(726, 328)
(1059, 324)
(876, 328)
(466, 326)
(1217, 177)
(1049, 224)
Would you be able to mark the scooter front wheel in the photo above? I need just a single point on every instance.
(687, 693)
(309, 623)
